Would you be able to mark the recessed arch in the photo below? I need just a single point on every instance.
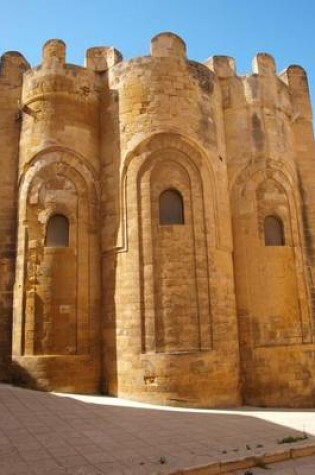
(192, 157)
(164, 250)
(259, 192)
(58, 182)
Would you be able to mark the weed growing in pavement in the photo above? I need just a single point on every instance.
(291, 439)
(259, 463)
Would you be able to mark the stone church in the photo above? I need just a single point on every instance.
(157, 222)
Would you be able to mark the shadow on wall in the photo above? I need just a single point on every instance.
(111, 217)
(19, 376)
(6, 334)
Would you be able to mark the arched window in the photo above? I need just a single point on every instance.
(273, 230)
(171, 207)
(57, 233)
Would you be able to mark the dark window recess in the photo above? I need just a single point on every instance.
(171, 207)
(273, 230)
(57, 233)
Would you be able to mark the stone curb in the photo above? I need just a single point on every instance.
(242, 463)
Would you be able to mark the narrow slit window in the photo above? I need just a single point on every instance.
(273, 230)
(57, 233)
(171, 207)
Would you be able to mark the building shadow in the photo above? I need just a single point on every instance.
(113, 434)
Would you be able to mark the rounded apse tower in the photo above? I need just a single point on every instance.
(124, 276)
(57, 296)
(169, 322)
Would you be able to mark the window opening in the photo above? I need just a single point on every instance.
(57, 233)
(171, 207)
(273, 231)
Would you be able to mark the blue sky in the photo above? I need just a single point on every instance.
(239, 28)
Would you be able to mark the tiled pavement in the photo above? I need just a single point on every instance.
(49, 434)
(304, 466)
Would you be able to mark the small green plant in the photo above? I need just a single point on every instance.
(291, 439)
(259, 463)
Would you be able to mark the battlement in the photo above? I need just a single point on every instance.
(262, 85)
(98, 59)
(263, 64)
(163, 45)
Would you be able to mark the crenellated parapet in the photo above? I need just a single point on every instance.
(260, 108)
(58, 99)
(55, 76)
(163, 91)
(263, 85)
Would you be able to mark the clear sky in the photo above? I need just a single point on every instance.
(239, 28)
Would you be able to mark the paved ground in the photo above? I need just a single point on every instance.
(49, 434)
(305, 466)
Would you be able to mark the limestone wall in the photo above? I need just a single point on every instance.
(273, 283)
(200, 310)
(56, 342)
(168, 289)
(12, 66)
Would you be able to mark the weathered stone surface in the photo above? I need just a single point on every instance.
(201, 313)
